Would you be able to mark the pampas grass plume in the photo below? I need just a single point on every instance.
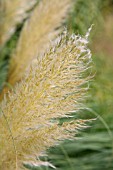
(51, 89)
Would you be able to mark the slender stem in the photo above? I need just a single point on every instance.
(11, 137)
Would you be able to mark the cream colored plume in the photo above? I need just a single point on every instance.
(52, 88)
(38, 31)
(12, 12)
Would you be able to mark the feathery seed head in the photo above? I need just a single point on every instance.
(52, 88)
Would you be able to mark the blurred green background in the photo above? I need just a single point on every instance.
(93, 148)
